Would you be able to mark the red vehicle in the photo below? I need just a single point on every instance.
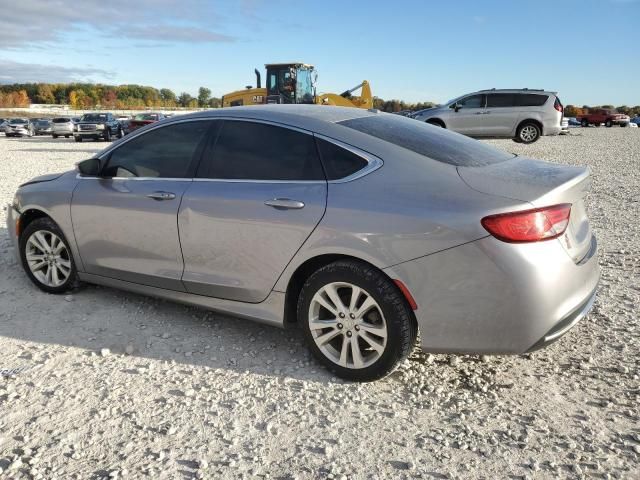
(606, 116)
(143, 119)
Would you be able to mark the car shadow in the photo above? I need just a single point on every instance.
(95, 318)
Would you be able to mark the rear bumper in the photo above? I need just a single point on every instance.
(553, 130)
(489, 296)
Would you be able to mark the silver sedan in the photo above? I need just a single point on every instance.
(360, 227)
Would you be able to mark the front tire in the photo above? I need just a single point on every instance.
(107, 135)
(54, 136)
(77, 139)
(609, 124)
(528, 132)
(46, 256)
(356, 321)
(584, 123)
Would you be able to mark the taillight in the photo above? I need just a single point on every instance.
(529, 225)
(558, 106)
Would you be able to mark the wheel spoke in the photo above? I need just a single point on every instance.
(322, 301)
(54, 275)
(37, 266)
(355, 296)
(317, 324)
(344, 351)
(35, 242)
(47, 275)
(332, 293)
(367, 305)
(44, 245)
(64, 263)
(326, 337)
(378, 347)
(356, 353)
(378, 331)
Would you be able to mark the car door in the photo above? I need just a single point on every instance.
(125, 220)
(466, 115)
(501, 115)
(261, 191)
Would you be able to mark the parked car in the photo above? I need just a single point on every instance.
(62, 127)
(634, 125)
(603, 115)
(19, 127)
(524, 115)
(574, 122)
(97, 126)
(3, 122)
(143, 119)
(362, 227)
(635, 120)
(41, 126)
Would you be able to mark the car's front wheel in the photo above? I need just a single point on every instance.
(528, 132)
(77, 139)
(46, 256)
(584, 122)
(609, 123)
(107, 134)
(356, 321)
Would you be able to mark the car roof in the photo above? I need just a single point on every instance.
(516, 90)
(290, 114)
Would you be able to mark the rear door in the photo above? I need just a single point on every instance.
(501, 115)
(125, 220)
(261, 191)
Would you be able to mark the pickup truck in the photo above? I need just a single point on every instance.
(97, 126)
(603, 115)
(143, 119)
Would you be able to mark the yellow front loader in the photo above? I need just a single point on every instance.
(289, 83)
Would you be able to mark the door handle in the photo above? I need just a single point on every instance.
(284, 204)
(162, 195)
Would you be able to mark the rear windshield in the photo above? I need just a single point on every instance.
(428, 140)
(61, 120)
(94, 117)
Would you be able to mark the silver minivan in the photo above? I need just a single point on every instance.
(523, 115)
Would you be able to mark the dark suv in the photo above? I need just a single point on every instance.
(97, 126)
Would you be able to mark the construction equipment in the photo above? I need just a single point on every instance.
(295, 83)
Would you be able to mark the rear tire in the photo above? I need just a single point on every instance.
(77, 139)
(46, 256)
(528, 132)
(54, 136)
(363, 338)
(609, 124)
(624, 124)
(584, 122)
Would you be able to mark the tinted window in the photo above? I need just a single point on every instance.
(474, 101)
(61, 120)
(531, 100)
(94, 117)
(255, 151)
(164, 152)
(497, 100)
(338, 162)
(433, 142)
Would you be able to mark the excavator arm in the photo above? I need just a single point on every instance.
(346, 99)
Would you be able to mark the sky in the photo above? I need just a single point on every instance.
(422, 50)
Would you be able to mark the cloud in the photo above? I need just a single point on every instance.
(33, 23)
(18, 72)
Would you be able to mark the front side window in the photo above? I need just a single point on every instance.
(474, 101)
(166, 152)
(257, 151)
(501, 100)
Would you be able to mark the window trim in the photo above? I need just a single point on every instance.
(373, 162)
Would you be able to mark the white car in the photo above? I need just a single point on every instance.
(62, 127)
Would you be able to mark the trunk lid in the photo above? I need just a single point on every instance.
(540, 184)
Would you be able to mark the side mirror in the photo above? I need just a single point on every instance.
(455, 107)
(90, 167)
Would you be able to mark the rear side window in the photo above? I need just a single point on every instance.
(256, 151)
(433, 142)
(497, 100)
(338, 162)
(531, 100)
(166, 152)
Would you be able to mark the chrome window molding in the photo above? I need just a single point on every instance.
(137, 179)
(373, 162)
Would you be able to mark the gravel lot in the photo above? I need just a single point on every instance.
(184, 393)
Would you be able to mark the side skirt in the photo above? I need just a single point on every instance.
(270, 311)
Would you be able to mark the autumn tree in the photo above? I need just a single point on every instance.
(45, 94)
(184, 99)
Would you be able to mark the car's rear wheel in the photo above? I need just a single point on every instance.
(54, 136)
(528, 132)
(78, 139)
(46, 256)
(356, 321)
(609, 123)
(624, 124)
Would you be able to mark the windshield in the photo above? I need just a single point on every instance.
(18, 121)
(304, 86)
(61, 120)
(432, 142)
(146, 116)
(94, 117)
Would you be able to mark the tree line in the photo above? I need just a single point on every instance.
(89, 95)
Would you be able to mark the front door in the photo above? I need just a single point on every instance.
(467, 116)
(125, 220)
(260, 198)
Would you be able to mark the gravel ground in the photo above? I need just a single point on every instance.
(107, 384)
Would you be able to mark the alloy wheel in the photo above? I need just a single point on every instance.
(347, 325)
(528, 133)
(48, 258)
